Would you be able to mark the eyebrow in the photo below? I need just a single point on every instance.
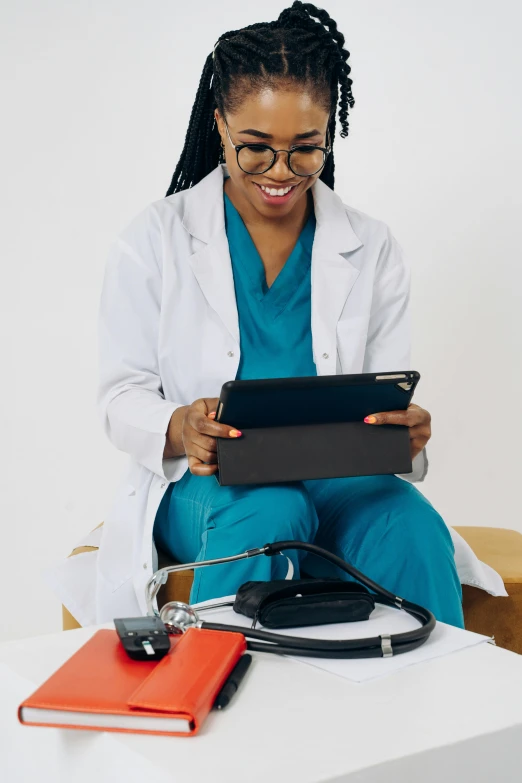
(261, 135)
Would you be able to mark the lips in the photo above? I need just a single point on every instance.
(268, 199)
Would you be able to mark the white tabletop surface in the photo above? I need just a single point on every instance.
(457, 718)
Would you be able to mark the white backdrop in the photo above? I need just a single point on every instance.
(94, 118)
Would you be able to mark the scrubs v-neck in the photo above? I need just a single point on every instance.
(274, 322)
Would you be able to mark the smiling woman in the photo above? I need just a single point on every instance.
(304, 59)
(268, 95)
(252, 266)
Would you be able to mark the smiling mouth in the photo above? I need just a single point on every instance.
(272, 191)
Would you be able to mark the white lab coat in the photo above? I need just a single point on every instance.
(169, 334)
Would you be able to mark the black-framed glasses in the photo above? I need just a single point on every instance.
(304, 160)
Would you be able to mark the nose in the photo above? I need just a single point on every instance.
(279, 170)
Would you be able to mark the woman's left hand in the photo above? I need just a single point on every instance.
(415, 418)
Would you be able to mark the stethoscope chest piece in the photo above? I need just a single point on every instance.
(179, 617)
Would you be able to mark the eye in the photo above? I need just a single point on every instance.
(305, 148)
(259, 148)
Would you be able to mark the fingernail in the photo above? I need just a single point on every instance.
(212, 415)
(234, 433)
(370, 419)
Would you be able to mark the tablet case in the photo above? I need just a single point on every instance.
(270, 455)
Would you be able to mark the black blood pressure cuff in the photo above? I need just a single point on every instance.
(299, 602)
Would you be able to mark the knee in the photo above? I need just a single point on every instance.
(273, 512)
(285, 511)
(421, 529)
(289, 512)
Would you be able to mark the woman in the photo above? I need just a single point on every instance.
(252, 267)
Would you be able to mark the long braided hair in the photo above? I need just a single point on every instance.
(294, 49)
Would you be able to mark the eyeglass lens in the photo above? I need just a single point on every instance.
(304, 161)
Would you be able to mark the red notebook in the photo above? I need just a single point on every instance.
(101, 688)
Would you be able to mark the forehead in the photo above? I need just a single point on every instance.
(280, 113)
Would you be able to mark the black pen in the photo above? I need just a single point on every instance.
(233, 681)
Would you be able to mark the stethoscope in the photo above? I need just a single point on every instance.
(179, 617)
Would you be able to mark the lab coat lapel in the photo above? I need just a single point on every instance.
(333, 273)
(204, 218)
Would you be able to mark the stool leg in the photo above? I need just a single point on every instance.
(69, 623)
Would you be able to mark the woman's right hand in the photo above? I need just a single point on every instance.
(198, 435)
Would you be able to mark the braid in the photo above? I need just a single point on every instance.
(302, 46)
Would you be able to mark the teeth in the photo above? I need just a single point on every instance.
(274, 192)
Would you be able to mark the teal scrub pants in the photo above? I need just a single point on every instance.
(382, 525)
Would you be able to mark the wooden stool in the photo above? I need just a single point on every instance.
(500, 617)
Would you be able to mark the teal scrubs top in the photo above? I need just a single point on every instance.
(274, 322)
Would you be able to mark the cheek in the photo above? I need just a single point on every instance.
(309, 183)
(237, 176)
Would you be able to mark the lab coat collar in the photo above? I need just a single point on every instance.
(333, 273)
(204, 213)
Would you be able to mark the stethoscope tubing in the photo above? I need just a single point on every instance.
(384, 645)
(332, 648)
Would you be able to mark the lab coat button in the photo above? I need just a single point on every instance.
(230, 353)
(144, 565)
(325, 356)
(162, 485)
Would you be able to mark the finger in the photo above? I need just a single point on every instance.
(410, 417)
(206, 405)
(202, 454)
(204, 425)
(203, 441)
(388, 417)
(421, 431)
(201, 405)
(198, 468)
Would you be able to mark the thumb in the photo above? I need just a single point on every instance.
(212, 404)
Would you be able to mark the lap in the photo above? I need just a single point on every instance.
(345, 513)
(358, 493)
(382, 525)
(244, 515)
(358, 513)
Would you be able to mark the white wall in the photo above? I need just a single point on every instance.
(95, 116)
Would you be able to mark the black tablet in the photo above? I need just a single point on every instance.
(274, 402)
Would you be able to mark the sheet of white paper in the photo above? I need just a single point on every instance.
(444, 640)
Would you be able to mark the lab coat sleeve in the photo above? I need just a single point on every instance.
(388, 345)
(131, 404)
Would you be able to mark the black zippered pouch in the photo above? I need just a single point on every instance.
(288, 603)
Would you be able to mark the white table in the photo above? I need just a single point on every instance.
(457, 718)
